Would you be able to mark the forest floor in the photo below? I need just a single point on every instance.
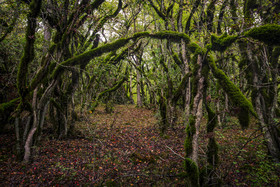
(125, 148)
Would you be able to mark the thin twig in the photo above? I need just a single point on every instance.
(175, 152)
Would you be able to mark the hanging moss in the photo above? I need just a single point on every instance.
(192, 172)
(269, 34)
(221, 43)
(234, 93)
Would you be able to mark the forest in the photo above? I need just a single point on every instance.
(140, 93)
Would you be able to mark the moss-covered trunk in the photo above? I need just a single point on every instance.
(193, 126)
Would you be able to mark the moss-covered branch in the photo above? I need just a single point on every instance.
(210, 15)
(101, 24)
(6, 109)
(188, 24)
(176, 58)
(114, 88)
(269, 34)
(160, 14)
(171, 35)
(221, 43)
(181, 87)
(234, 93)
(28, 53)
(86, 56)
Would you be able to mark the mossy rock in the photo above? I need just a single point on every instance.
(269, 34)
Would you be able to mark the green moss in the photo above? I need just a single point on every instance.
(190, 131)
(193, 47)
(8, 105)
(176, 58)
(84, 57)
(234, 94)
(116, 86)
(178, 93)
(6, 109)
(269, 34)
(188, 146)
(171, 35)
(244, 117)
(192, 172)
(212, 152)
(221, 43)
(212, 119)
(141, 34)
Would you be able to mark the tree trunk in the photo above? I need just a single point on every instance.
(197, 111)
(193, 128)
(139, 99)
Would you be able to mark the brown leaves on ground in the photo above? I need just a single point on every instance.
(125, 148)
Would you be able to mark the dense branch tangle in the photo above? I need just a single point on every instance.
(182, 63)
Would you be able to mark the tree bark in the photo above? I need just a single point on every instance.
(197, 110)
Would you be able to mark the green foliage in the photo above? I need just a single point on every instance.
(221, 43)
(269, 34)
(192, 172)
